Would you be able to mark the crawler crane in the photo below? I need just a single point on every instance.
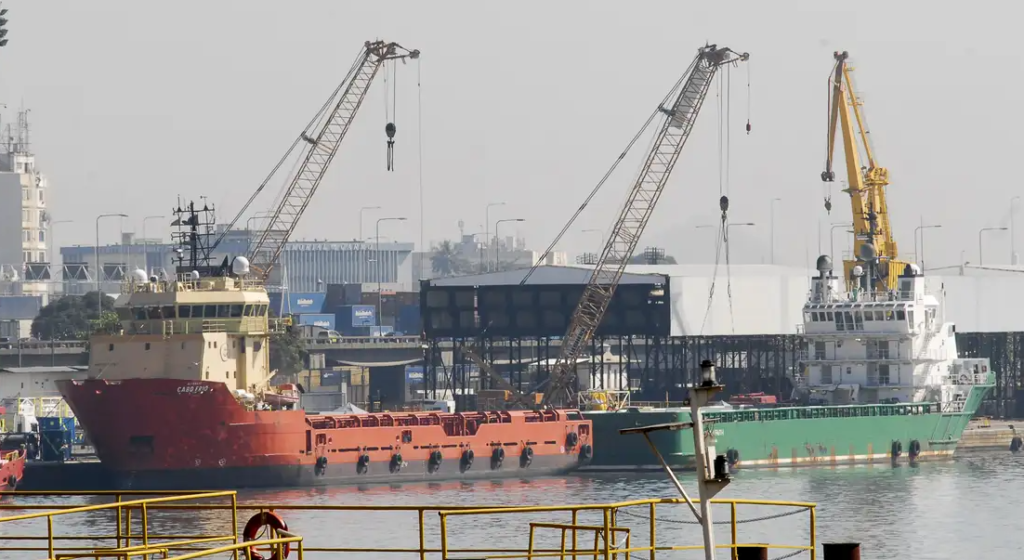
(874, 249)
(679, 110)
(318, 143)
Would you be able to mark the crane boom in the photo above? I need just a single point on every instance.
(873, 239)
(636, 212)
(320, 141)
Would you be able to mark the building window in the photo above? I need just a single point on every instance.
(26, 216)
(27, 256)
(27, 195)
(42, 257)
(42, 236)
(27, 235)
(41, 196)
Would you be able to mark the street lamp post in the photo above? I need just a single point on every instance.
(361, 217)
(981, 261)
(380, 297)
(920, 230)
(99, 269)
(145, 242)
(487, 227)
(496, 224)
(772, 241)
(1013, 233)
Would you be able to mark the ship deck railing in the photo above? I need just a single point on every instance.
(201, 524)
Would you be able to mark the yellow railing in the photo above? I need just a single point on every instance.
(607, 531)
(12, 456)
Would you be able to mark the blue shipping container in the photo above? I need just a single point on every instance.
(408, 320)
(50, 423)
(414, 374)
(364, 316)
(325, 320)
(297, 303)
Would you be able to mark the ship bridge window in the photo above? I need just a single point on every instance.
(900, 315)
(185, 311)
(223, 311)
(209, 311)
(236, 311)
(124, 313)
(140, 313)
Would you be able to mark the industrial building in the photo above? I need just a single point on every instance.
(663, 320)
(25, 229)
(307, 266)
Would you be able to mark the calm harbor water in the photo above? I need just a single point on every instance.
(962, 509)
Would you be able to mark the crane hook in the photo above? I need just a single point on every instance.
(748, 127)
(390, 130)
(828, 204)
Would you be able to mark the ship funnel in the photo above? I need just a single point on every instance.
(240, 266)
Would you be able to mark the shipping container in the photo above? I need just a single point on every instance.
(351, 318)
(50, 423)
(323, 320)
(343, 294)
(409, 320)
(297, 303)
(391, 304)
(52, 445)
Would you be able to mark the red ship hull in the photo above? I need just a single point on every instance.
(12, 470)
(157, 434)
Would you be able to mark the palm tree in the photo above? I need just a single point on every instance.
(445, 261)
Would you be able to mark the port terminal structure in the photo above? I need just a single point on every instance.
(651, 343)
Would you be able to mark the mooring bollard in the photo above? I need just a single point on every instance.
(751, 552)
(841, 551)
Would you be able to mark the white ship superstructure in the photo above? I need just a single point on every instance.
(882, 346)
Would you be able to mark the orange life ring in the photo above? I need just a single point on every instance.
(252, 530)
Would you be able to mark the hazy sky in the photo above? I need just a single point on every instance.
(526, 103)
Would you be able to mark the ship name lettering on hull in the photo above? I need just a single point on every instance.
(193, 389)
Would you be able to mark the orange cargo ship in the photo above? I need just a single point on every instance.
(176, 434)
(180, 396)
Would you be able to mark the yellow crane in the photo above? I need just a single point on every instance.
(874, 249)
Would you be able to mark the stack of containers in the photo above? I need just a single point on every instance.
(306, 308)
(356, 320)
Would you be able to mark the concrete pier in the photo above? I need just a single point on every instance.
(984, 435)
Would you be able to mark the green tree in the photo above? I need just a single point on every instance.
(286, 352)
(446, 261)
(73, 317)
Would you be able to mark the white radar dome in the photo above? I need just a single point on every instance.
(139, 275)
(858, 270)
(240, 266)
(194, 275)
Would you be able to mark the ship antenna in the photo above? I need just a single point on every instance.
(195, 230)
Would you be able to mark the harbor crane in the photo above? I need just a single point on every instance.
(679, 111)
(875, 264)
(318, 143)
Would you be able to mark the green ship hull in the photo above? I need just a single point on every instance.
(796, 436)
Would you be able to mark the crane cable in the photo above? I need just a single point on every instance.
(722, 235)
(728, 165)
(391, 111)
(657, 111)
